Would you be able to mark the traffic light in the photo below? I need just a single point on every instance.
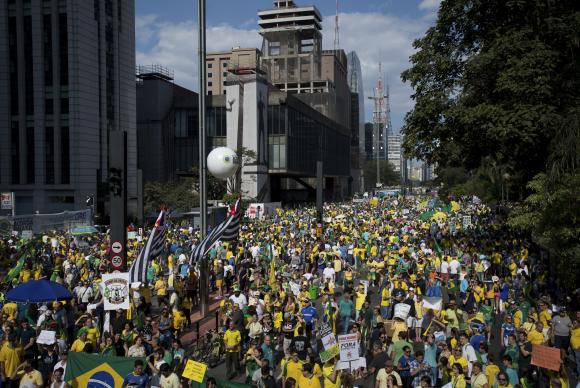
(115, 181)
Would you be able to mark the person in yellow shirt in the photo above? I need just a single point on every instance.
(545, 315)
(292, 368)
(232, 340)
(331, 375)
(79, 344)
(10, 357)
(308, 379)
(161, 290)
(10, 309)
(28, 376)
(93, 333)
(457, 358)
(360, 297)
(536, 336)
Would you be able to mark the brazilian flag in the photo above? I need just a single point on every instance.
(95, 371)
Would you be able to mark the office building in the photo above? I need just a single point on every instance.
(68, 81)
(167, 125)
(355, 83)
(394, 155)
(218, 64)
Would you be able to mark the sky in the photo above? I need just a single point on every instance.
(379, 31)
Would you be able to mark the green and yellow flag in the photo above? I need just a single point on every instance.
(92, 370)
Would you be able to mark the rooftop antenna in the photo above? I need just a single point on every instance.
(336, 28)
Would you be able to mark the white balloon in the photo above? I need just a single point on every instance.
(222, 162)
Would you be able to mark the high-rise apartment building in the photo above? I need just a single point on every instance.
(67, 71)
(394, 152)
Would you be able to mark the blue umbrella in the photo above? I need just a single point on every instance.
(38, 291)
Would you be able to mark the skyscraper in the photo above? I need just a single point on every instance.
(355, 83)
(68, 81)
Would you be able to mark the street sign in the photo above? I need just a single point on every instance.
(117, 247)
(6, 201)
(117, 261)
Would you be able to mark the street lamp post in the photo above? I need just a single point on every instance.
(204, 268)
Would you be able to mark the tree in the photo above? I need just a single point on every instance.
(389, 177)
(178, 195)
(493, 80)
(551, 213)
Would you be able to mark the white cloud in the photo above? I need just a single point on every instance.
(380, 37)
(429, 5)
(374, 36)
(176, 47)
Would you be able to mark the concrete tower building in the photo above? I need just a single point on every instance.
(293, 59)
(67, 71)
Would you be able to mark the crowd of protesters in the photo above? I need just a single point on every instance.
(491, 298)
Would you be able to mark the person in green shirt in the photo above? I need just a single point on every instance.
(398, 346)
(345, 308)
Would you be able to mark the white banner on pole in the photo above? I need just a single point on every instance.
(349, 347)
(432, 302)
(116, 290)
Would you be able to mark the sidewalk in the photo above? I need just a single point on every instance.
(203, 323)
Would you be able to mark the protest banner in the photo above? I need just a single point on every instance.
(349, 347)
(432, 302)
(546, 357)
(402, 310)
(194, 371)
(46, 337)
(116, 290)
(327, 336)
(329, 353)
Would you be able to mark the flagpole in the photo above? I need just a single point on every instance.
(204, 268)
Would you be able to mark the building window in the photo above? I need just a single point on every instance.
(209, 65)
(64, 109)
(48, 106)
(65, 156)
(225, 64)
(274, 48)
(15, 147)
(30, 155)
(49, 155)
(209, 93)
(28, 73)
(225, 73)
(47, 43)
(63, 47)
(209, 75)
(209, 83)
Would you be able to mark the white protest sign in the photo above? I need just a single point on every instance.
(327, 336)
(466, 222)
(46, 337)
(349, 347)
(432, 302)
(295, 288)
(402, 310)
(116, 290)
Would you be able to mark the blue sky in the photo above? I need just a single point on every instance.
(376, 30)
